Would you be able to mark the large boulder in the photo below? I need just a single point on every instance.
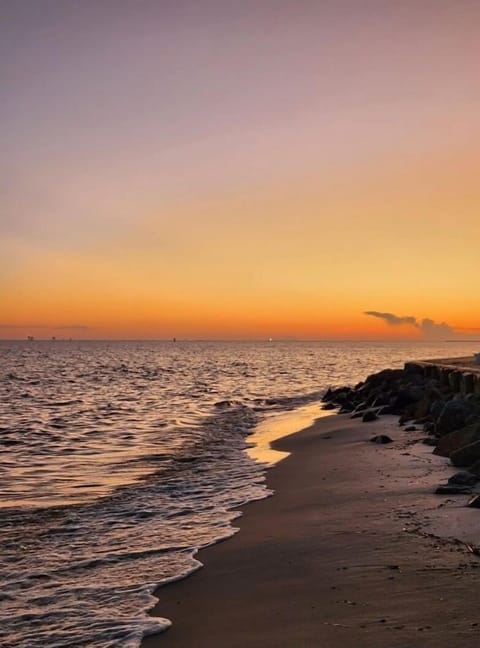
(463, 478)
(384, 378)
(467, 455)
(436, 408)
(422, 408)
(452, 489)
(454, 380)
(408, 396)
(454, 415)
(458, 439)
(475, 469)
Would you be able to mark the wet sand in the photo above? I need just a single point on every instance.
(341, 556)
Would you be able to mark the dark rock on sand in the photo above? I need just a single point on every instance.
(420, 397)
(451, 442)
(381, 438)
(337, 395)
(329, 406)
(474, 502)
(463, 478)
(430, 441)
(454, 415)
(467, 455)
(452, 489)
(346, 403)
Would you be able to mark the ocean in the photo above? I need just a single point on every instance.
(119, 460)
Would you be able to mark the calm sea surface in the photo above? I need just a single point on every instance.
(118, 460)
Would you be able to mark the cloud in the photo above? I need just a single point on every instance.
(433, 330)
(428, 327)
(393, 320)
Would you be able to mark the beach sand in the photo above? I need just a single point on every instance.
(340, 556)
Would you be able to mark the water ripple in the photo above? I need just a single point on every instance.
(119, 460)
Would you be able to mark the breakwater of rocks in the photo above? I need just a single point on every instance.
(440, 398)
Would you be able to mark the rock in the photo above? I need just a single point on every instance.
(433, 391)
(422, 408)
(329, 406)
(422, 420)
(463, 478)
(414, 368)
(338, 395)
(388, 409)
(415, 393)
(328, 395)
(346, 404)
(344, 410)
(362, 406)
(474, 502)
(475, 468)
(385, 377)
(357, 414)
(430, 441)
(452, 489)
(381, 438)
(455, 440)
(454, 379)
(410, 428)
(454, 415)
(408, 396)
(436, 408)
(467, 455)
(369, 415)
(467, 383)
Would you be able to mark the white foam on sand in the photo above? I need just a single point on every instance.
(279, 426)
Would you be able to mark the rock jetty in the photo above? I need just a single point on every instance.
(442, 397)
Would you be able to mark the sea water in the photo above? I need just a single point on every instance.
(119, 460)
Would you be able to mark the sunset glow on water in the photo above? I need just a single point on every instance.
(120, 459)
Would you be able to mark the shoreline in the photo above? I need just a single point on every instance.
(343, 555)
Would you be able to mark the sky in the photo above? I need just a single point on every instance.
(225, 169)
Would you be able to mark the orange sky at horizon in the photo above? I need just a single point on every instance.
(233, 182)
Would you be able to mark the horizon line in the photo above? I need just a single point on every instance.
(175, 340)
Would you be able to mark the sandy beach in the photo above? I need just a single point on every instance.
(353, 550)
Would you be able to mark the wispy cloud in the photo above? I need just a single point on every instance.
(392, 319)
(429, 328)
